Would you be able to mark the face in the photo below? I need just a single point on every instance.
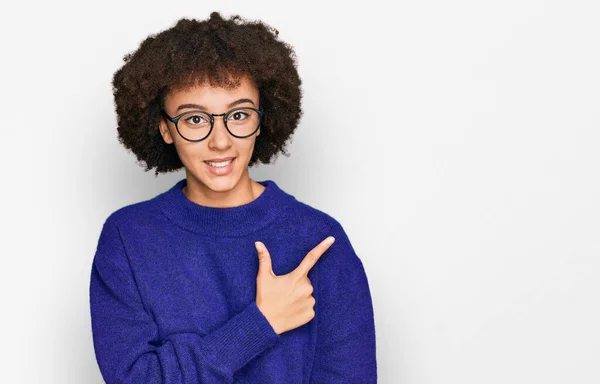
(220, 143)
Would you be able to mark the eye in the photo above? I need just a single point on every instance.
(238, 115)
(195, 120)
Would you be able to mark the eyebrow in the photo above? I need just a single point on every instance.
(196, 106)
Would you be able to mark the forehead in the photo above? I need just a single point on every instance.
(203, 90)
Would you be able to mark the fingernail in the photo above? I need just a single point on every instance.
(330, 240)
(258, 245)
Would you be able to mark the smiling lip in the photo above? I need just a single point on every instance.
(219, 160)
(221, 171)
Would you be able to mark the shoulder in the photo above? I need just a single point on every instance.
(311, 218)
(324, 224)
(316, 218)
(124, 229)
(135, 215)
(339, 265)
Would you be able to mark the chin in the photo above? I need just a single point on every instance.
(222, 183)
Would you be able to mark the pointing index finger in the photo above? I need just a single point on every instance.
(313, 256)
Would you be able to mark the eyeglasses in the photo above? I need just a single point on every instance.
(197, 125)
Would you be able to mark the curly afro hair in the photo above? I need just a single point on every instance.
(221, 52)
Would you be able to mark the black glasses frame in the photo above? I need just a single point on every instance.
(225, 115)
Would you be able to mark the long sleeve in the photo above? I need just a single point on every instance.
(126, 339)
(345, 350)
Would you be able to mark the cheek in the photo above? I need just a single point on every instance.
(246, 148)
(191, 153)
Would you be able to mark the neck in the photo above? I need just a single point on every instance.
(245, 191)
(236, 220)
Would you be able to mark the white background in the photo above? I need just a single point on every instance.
(456, 142)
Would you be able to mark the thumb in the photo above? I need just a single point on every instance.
(264, 259)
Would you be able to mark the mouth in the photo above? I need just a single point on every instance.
(221, 168)
(219, 164)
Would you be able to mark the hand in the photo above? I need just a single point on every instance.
(286, 301)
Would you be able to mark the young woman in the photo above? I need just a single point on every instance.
(222, 279)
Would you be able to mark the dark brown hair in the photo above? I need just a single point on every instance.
(218, 51)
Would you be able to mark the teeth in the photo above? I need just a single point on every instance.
(219, 165)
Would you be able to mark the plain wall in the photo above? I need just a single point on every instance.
(456, 142)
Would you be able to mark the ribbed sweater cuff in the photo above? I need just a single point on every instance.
(242, 338)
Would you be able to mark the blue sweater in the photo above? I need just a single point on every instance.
(173, 289)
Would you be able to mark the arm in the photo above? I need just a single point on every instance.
(125, 336)
(345, 351)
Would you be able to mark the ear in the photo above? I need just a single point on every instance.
(164, 131)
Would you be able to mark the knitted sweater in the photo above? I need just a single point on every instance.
(173, 289)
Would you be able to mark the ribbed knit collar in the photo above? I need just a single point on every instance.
(228, 221)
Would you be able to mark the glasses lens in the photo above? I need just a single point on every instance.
(243, 121)
(194, 125)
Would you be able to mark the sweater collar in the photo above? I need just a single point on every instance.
(228, 221)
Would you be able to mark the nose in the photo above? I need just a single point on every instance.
(219, 136)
